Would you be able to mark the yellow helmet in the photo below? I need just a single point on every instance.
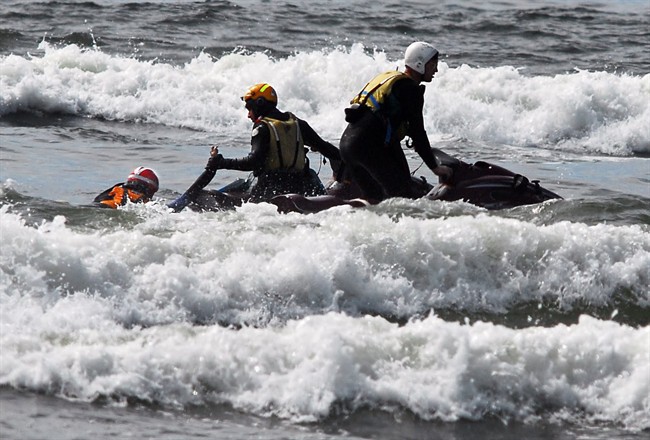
(261, 91)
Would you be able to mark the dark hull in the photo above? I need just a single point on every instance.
(491, 187)
(481, 184)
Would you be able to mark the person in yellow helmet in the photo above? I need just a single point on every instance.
(140, 186)
(385, 111)
(278, 155)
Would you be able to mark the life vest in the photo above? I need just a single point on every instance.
(375, 93)
(119, 196)
(377, 96)
(287, 149)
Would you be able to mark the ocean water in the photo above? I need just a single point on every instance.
(405, 320)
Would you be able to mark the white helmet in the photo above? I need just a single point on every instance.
(418, 54)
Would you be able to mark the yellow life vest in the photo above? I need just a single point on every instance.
(119, 195)
(375, 92)
(374, 95)
(287, 149)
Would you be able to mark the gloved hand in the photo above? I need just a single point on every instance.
(215, 159)
(214, 162)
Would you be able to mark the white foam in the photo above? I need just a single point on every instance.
(316, 366)
(254, 265)
(112, 312)
(594, 112)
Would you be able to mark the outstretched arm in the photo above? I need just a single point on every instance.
(254, 161)
(317, 143)
(208, 174)
(201, 182)
(320, 145)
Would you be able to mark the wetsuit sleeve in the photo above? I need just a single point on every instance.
(202, 181)
(319, 145)
(316, 143)
(254, 161)
(411, 97)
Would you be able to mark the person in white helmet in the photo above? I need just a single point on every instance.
(384, 112)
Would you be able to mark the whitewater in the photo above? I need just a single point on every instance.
(409, 319)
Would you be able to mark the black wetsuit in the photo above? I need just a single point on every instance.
(271, 183)
(378, 165)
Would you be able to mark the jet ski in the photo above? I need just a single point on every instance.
(232, 195)
(487, 185)
(481, 183)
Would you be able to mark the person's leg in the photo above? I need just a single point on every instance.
(356, 169)
(390, 168)
(357, 144)
(371, 188)
(379, 170)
